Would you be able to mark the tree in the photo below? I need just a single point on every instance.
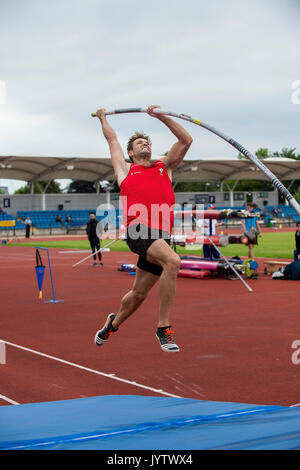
(294, 186)
(261, 154)
(53, 187)
(287, 153)
(196, 186)
(81, 186)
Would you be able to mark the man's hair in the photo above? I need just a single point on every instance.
(137, 135)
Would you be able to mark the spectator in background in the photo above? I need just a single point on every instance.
(69, 219)
(251, 229)
(297, 240)
(1, 210)
(28, 224)
(59, 220)
(92, 230)
(68, 222)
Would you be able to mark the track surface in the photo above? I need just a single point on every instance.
(236, 346)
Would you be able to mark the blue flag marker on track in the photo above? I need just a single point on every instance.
(40, 274)
(39, 271)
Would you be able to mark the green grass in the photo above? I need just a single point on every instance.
(271, 245)
(73, 244)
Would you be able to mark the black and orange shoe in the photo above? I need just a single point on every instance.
(107, 330)
(167, 342)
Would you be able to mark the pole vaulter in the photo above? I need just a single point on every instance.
(258, 163)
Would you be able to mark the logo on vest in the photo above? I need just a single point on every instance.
(161, 171)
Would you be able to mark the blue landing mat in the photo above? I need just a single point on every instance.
(130, 422)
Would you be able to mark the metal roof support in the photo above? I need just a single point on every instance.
(44, 194)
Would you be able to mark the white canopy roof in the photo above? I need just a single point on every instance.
(42, 168)
(222, 169)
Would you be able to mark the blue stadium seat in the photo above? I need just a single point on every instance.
(47, 219)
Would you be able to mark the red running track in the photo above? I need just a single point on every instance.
(236, 346)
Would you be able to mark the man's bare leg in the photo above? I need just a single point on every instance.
(161, 253)
(144, 281)
(250, 251)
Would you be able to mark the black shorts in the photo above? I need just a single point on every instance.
(252, 236)
(139, 238)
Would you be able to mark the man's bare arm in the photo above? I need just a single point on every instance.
(119, 164)
(180, 148)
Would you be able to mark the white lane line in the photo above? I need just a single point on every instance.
(75, 252)
(87, 369)
(2, 353)
(9, 400)
(15, 256)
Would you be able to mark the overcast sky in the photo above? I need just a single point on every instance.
(231, 64)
